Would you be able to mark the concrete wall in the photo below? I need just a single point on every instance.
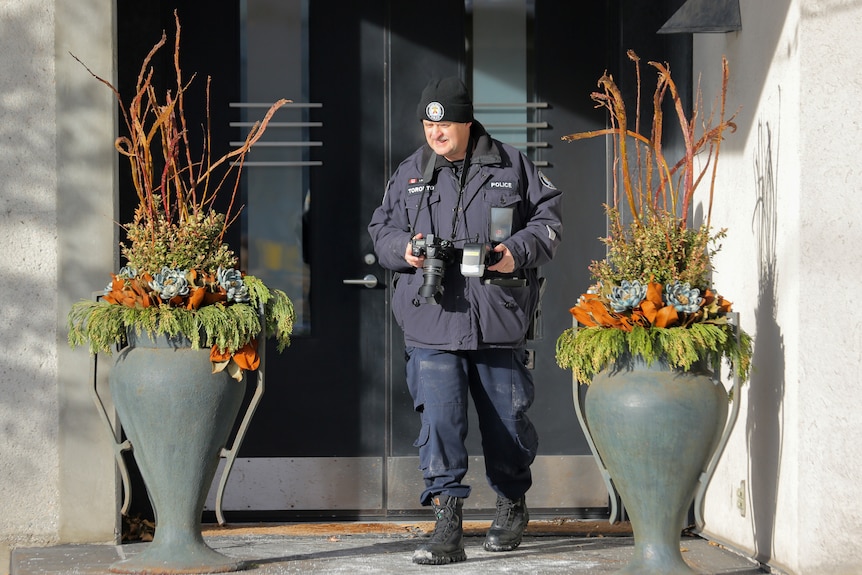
(787, 191)
(57, 173)
(88, 248)
(29, 405)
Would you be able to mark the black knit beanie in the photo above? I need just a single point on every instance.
(445, 100)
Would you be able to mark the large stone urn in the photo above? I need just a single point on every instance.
(655, 429)
(178, 416)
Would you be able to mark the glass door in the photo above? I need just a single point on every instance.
(334, 433)
(317, 441)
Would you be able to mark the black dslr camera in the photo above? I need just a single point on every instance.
(437, 254)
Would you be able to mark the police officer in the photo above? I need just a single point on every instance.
(463, 194)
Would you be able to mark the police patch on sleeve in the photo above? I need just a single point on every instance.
(545, 181)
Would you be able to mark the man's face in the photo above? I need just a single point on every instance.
(448, 139)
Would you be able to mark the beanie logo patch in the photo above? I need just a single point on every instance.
(434, 111)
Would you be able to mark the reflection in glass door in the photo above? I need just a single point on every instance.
(276, 179)
(316, 443)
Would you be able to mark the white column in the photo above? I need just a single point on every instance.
(86, 250)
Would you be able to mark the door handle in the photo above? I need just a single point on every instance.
(368, 281)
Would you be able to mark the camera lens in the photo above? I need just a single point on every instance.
(432, 276)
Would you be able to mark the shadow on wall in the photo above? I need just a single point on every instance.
(751, 53)
(49, 120)
(765, 421)
(28, 218)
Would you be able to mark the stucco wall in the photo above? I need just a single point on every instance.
(788, 182)
(56, 193)
(29, 407)
(87, 236)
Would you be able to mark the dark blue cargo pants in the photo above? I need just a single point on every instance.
(502, 390)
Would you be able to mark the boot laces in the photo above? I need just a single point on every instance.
(506, 512)
(446, 521)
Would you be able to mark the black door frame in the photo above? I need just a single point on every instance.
(367, 119)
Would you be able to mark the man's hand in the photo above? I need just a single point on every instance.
(416, 262)
(506, 265)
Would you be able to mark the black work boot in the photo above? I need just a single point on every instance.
(508, 526)
(446, 543)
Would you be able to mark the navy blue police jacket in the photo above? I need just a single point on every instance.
(472, 313)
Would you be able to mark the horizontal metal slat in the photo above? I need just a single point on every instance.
(253, 164)
(268, 104)
(279, 124)
(281, 144)
(539, 125)
(485, 105)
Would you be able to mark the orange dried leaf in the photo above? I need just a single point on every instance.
(604, 317)
(196, 298)
(211, 298)
(654, 294)
(666, 317)
(583, 316)
(246, 357)
(217, 356)
(625, 323)
(638, 318)
(649, 310)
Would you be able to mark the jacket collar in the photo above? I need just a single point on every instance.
(485, 150)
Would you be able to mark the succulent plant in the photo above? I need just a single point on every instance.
(683, 297)
(127, 272)
(231, 280)
(627, 295)
(170, 283)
